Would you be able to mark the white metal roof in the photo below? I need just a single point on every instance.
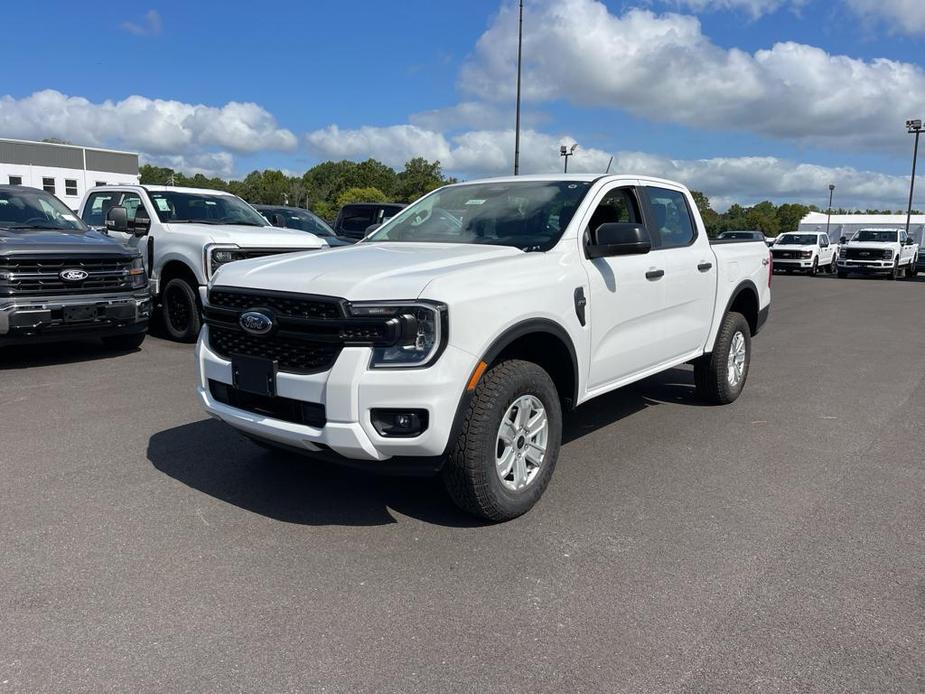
(898, 220)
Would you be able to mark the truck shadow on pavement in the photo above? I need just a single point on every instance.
(53, 353)
(212, 458)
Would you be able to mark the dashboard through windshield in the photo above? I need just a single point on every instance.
(530, 215)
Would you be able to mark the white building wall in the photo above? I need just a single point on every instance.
(848, 224)
(32, 176)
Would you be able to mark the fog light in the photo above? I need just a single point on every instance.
(400, 422)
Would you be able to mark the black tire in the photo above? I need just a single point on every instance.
(814, 270)
(896, 272)
(912, 269)
(180, 309)
(711, 370)
(833, 267)
(470, 474)
(124, 342)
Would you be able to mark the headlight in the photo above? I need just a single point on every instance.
(216, 256)
(888, 255)
(807, 254)
(137, 273)
(842, 252)
(421, 329)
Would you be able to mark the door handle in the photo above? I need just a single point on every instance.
(704, 267)
(655, 274)
(765, 261)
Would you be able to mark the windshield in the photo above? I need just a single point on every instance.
(303, 220)
(876, 235)
(529, 215)
(205, 208)
(798, 239)
(28, 208)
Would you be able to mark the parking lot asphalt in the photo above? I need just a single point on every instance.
(777, 544)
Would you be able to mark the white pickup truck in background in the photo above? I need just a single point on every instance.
(452, 337)
(879, 252)
(184, 235)
(805, 251)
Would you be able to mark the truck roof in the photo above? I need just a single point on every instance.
(578, 177)
(160, 188)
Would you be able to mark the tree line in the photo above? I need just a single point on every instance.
(324, 188)
(328, 186)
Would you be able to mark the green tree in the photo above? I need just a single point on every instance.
(418, 178)
(360, 195)
(789, 216)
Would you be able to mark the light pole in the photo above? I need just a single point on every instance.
(520, 35)
(565, 151)
(829, 218)
(913, 127)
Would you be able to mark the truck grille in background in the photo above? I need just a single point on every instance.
(34, 275)
(295, 355)
(309, 331)
(868, 254)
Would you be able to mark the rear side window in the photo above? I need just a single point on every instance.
(97, 207)
(670, 217)
(357, 219)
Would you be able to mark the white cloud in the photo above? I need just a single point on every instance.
(754, 8)
(151, 25)
(207, 163)
(725, 179)
(664, 68)
(900, 16)
(155, 126)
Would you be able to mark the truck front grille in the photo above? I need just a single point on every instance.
(867, 254)
(293, 307)
(35, 275)
(785, 255)
(290, 354)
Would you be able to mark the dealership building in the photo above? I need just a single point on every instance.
(67, 171)
(847, 224)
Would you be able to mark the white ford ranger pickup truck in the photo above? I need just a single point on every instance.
(879, 252)
(184, 235)
(805, 251)
(452, 337)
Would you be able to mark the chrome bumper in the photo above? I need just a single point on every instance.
(24, 314)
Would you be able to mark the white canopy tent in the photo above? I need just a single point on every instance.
(848, 224)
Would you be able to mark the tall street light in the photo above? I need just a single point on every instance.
(914, 127)
(520, 40)
(829, 218)
(566, 152)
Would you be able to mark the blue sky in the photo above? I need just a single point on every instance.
(745, 99)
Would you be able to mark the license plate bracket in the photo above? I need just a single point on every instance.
(254, 374)
(79, 314)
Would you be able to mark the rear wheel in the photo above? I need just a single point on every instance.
(124, 342)
(500, 464)
(182, 318)
(913, 268)
(720, 376)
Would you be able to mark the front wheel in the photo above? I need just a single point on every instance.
(896, 272)
(814, 270)
(182, 318)
(500, 464)
(720, 376)
(833, 267)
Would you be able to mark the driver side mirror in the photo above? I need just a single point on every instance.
(278, 220)
(117, 219)
(843, 239)
(142, 222)
(910, 241)
(619, 239)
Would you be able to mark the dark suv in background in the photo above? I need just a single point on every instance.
(301, 219)
(60, 280)
(354, 219)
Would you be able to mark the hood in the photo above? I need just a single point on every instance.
(366, 271)
(58, 241)
(880, 245)
(249, 236)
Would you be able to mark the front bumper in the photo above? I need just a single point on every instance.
(37, 318)
(349, 391)
(792, 263)
(866, 267)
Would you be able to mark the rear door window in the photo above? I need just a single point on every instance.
(670, 218)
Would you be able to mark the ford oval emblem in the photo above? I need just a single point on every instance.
(73, 275)
(256, 322)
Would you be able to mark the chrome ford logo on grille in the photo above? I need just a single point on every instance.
(73, 275)
(256, 322)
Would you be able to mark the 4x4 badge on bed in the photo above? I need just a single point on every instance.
(256, 322)
(73, 275)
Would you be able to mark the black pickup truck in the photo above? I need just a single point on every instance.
(60, 280)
